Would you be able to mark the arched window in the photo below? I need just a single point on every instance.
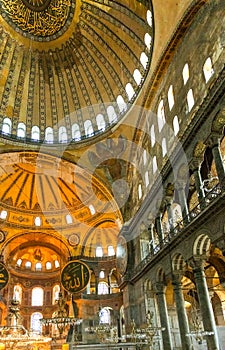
(208, 69)
(55, 293)
(28, 265)
(37, 221)
(38, 266)
(21, 130)
(49, 137)
(144, 156)
(92, 209)
(111, 114)
(154, 164)
(37, 296)
(185, 73)
(104, 315)
(103, 288)
(130, 91)
(3, 214)
(190, 100)
(88, 128)
(35, 322)
(69, 219)
(164, 147)
(35, 133)
(62, 134)
(148, 40)
(101, 274)
(139, 191)
(111, 250)
(6, 126)
(170, 97)
(176, 126)
(57, 264)
(48, 265)
(137, 76)
(144, 59)
(100, 122)
(17, 293)
(99, 252)
(121, 104)
(149, 18)
(76, 135)
(152, 134)
(19, 262)
(161, 115)
(146, 178)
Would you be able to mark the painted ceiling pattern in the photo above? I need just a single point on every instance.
(72, 65)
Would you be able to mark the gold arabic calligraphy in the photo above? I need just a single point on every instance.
(75, 276)
(41, 19)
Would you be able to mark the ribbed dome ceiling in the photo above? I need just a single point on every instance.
(70, 69)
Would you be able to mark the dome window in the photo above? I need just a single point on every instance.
(185, 73)
(152, 134)
(111, 114)
(176, 126)
(148, 40)
(3, 214)
(62, 134)
(161, 115)
(88, 128)
(92, 209)
(190, 100)
(154, 164)
(170, 97)
(130, 91)
(208, 69)
(6, 126)
(69, 219)
(49, 137)
(21, 130)
(144, 59)
(137, 76)
(76, 135)
(99, 252)
(100, 122)
(121, 104)
(35, 133)
(111, 250)
(164, 148)
(149, 18)
(37, 221)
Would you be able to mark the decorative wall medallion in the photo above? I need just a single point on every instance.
(2, 236)
(38, 19)
(75, 276)
(4, 276)
(73, 240)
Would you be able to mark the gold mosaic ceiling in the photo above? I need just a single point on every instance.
(64, 62)
(44, 194)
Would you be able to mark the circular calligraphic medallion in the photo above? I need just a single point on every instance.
(73, 240)
(40, 20)
(121, 254)
(2, 236)
(75, 276)
(4, 276)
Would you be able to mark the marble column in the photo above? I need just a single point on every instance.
(219, 163)
(163, 313)
(169, 210)
(198, 182)
(181, 313)
(159, 228)
(183, 201)
(205, 304)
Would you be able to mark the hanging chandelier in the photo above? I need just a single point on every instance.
(62, 319)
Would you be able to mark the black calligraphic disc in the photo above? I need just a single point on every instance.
(4, 276)
(75, 276)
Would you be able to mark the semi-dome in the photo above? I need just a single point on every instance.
(77, 66)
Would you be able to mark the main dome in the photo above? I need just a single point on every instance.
(70, 69)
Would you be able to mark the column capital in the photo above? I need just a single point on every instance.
(160, 287)
(197, 261)
(214, 140)
(195, 163)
